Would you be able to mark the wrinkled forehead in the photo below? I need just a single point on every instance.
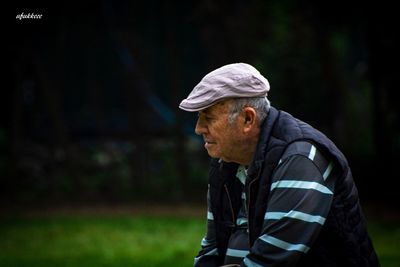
(218, 108)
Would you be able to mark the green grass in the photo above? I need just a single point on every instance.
(122, 240)
(99, 241)
(386, 239)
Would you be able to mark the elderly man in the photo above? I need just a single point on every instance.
(280, 192)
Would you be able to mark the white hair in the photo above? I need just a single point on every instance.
(260, 104)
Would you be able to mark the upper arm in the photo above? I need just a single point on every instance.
(300, 197)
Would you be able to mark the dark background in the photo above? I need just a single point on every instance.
(92, 115)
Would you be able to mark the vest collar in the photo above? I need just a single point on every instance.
(262, 144)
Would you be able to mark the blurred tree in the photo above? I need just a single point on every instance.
(112, 75)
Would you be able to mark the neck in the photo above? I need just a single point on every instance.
(248, 149)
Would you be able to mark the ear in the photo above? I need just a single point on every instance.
(250, 119)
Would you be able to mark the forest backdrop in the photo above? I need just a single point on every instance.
(92, 114)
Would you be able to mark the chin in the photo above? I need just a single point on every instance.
(213, 155)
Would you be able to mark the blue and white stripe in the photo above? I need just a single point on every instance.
(210, 253)
(301, 185)
(295, 215)
(283, 244)
(328, 171)
(237, 253)
(250, 263)
(210, 216)
(312, 153)
(241, 221)
(205, 242)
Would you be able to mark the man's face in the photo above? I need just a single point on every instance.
(221, 138)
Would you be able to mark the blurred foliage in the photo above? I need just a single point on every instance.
(108, 171)
(93, 113)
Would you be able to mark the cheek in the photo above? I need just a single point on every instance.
(231, 138)
(221, 135)
(221, 132)
(226, 137)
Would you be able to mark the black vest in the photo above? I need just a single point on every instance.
(343, 240)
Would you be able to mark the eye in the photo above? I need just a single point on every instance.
(210, 118)
(205, 117)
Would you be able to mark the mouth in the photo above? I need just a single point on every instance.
(207, 143)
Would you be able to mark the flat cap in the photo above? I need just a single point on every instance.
(230, 81)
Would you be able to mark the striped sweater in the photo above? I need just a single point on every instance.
(301, 194)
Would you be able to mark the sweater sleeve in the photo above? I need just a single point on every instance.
(300, 198)
(208, 255)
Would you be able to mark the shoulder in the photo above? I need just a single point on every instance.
(308, 151)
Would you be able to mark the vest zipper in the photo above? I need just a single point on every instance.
(230, 205)
(248, 204)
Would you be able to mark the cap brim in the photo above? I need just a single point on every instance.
(187, 106)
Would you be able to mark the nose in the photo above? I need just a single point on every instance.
(201, 127)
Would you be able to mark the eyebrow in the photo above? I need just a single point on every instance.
(205, 111)
(208, 114)
(210, 111)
